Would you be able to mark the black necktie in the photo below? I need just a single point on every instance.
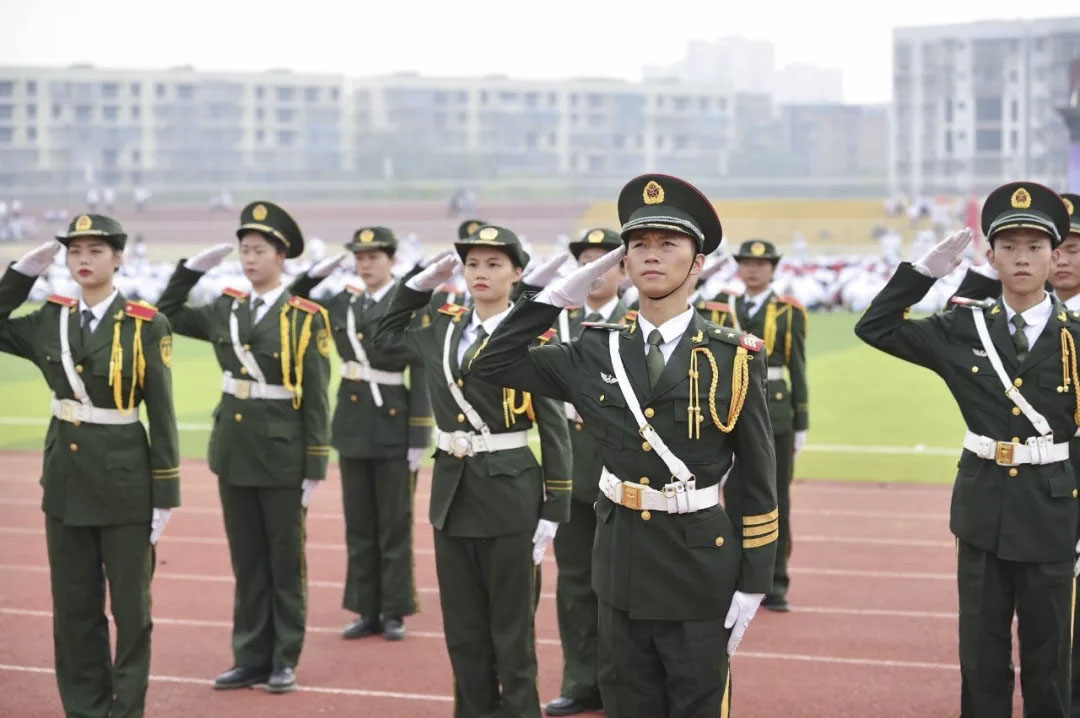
(594, 317)
(1020, 340)
(87, 316)
(654, 360)
(470, 353)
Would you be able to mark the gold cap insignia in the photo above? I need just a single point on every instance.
(366, 235)
(1068, 205)
(653, 193)
(595, 237)
(472, 227)
(259, 213)
(757, 249)
(83, 223)
(488, 233)
(1021, 198)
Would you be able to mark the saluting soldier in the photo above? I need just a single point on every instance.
(1014, 505)
(493, 508)
(380, 429)
(269, 445)
(670, 400)
(108, 487)
(575, 598)
(781, 322)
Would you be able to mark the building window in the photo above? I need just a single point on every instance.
(185, 92)
(286, 94)
(82, 113)
(109, 90)
(31, 134)
(259, 91)
(260, 113)
(6, 133)
(31, 112)
(286, 115)
(1014, 140)
(110, 113)
(988, 141)
(160, 90)
(988, 109)
(136, 157)
(311, 94)
(136, 89)
(948, 111)
(1014, 110)
(31, 87)
(334, 94)
(259, 136)
(136, 112)
(948, 143)
(57, 111)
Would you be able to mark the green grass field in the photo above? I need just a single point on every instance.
(868, 411)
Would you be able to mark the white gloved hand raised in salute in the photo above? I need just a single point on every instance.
(323, 269)
(945, 256)
(37, 261)
(542, 274)
(435, 275)
(209, 258)
(571, 290)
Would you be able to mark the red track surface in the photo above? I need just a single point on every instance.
(873, 632)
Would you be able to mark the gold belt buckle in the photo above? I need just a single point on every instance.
(243, 389)
(1003, 454)
(631, 496)
(67, 411)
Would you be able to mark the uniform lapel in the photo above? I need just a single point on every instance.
(999, 333)
(1048, 344)
(266, 323)
(678, 366)
(632, 352)
(102, 334)
(458, 328)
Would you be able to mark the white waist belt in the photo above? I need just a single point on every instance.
(1036, 450)
(776, 372)
(675, 498)
(243, 389)
(362, 372)
(71, 411)
(469, 443)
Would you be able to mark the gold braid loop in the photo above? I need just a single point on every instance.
(770, 327)
(116, 365)
(1068, 349)
(740, 382)
(116, 368)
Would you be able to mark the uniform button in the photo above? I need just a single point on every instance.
(243, 370)
(649, 413)
(578, 426)
(359, 335)
(1074, 493)
(275, 355)
(392, 412)
(239, 416)
(461, 418)
(645, 515)
(1013, 472)
(78, 368)
(974, 370)
(595, 505)
(74, 446)
(1018, 382)
(1016, 411)
(1016, 440)
(644, 481)
(1061, 390)
(353, 397)
(76, 423)
(719, 541)
(460, 383)
(779, 395)
(601, 397)
(247, 347)
(645, 446)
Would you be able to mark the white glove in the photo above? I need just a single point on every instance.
(571, 290)
(158, 519)
(434, 275)
(546, 271)
(1076, 566)
(945, 256)
(428, 261)
(307, 488)
(208, 258)
(743, 608)
(323, 269)
(545, 532)
(800, 440)
(415, 455)
(35, 262)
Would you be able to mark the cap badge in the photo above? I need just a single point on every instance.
(366, 235)
(653, 193)
(757, 249)
(83, 223)
(471, 227)
(1068, 205)
(1021, 199)
(595, 237)
(488, 233)
(258, 213)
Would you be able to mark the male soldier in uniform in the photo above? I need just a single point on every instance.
(493, 508)
(1014, 508)
(380, 430)
(670, 400)
(781, 322)
(575, 598)
(269, 445)
(108, 490)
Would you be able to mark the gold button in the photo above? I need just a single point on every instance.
(238, 416)
(460, 382)
(1074, 493)
(1061, 390)
(243, 370)
(649, 413)
(74, 447)
(578, 426)
(76, 423)
(974, 370)
(779, 395)
(645, 515)
(359, 335)
(645, 446)
(644, 481)
(1016, 411)
(392, 412)
(461, 418)
(1013, 472)
(595, 505)
(601, 397)
(353, 397)
(1016, 440)
(48, 358)
(719, 541)
(1018, 382)
(247, 347)
(78, 368)
(275, 355)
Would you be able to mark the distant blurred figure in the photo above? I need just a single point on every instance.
(109, 195)
(92, 199)
(142, 196)
(463, 202)
(222, 200)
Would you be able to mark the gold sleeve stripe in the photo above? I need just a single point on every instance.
(558, 488)
(557, 481)
(174, 470)
(318, 452)
(421, 421)
(761, 530)
(761, 541)
(172, 477)
(761, 518)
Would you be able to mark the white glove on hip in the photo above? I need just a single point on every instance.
(307, 488)
(800, 440)
(743, 608)
(544, 534)
(208, 258)
(434, 275)
(571, 290)
(546, 271)
(415, 456)
(945, 256)
(323, 269)
(35, 262)
(158, 519)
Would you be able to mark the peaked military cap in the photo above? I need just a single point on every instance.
(757, 249)
(95, 225)
(488, 235)
(656, 201)
(275, 224)
(1072, 203)
(469, 227)
(367, 238)
(603, 238)
(1025, 204)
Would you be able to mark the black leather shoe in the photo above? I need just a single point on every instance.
(393, 628)
(776, 603)
(571, 706)
(363, 627)
(282, 680)
(241, 677)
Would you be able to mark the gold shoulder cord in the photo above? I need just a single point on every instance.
(1068, 370)
(740, 382)
(511, 412)
(116, 365)
(770, 327)
(288, 343)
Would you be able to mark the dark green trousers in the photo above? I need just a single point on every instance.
(81, 558)
(576, 603)
(991, 590)
(663, 669)
(486, 588)
(265, 528)
(377, 496)
(1075, 708)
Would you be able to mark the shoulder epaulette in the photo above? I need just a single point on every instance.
(305, 305)
(630, 316)
(792, 301)
(140, 310)
(62, 300)
(974, 303)
(547, 336)
(732, 336)
(610, 326)
(452, 310)
(353, 289)
(234, 293)
(716, 306)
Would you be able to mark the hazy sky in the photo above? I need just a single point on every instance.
(546, 39)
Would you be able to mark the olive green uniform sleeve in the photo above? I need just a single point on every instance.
(161, 415)
(191, 322)
(555, 455)
(796, 363)
(315, 400)
(16, 335)
(303, 285)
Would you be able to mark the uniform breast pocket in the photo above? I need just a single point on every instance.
(604, 406)
(1052, 388)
